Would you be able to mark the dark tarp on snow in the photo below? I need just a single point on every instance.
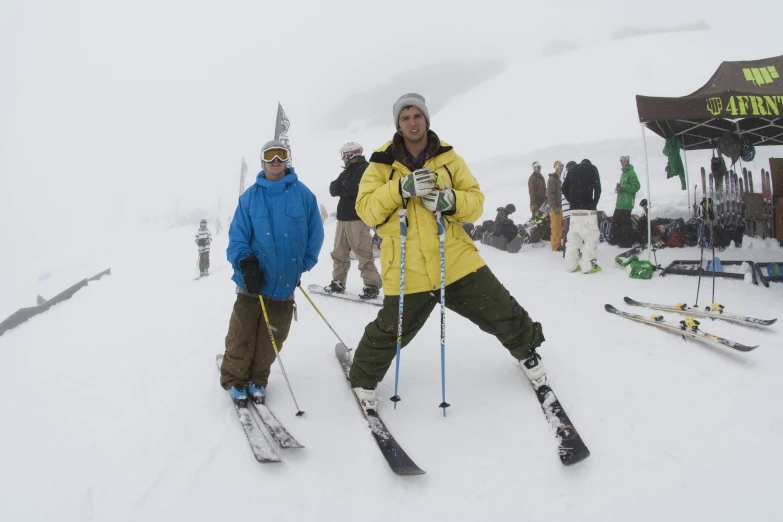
(744, 97)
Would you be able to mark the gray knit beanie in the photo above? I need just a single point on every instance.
(410, 100)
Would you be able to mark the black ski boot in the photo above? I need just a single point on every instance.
(336, 287)
(370, 292)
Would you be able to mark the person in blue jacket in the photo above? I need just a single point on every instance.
(275, 236)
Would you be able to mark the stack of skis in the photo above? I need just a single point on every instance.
(737, 208)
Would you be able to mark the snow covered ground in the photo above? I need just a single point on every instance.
(111, 408)
(110, 404)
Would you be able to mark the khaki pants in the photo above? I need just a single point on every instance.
(354, 235)
(249, 352)
(556, 217)
(478, 297)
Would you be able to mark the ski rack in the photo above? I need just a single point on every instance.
(693, 268)
(766, 279)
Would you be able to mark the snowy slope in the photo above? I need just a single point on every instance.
(111, 405)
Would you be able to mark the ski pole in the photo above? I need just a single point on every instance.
(322, 316)
(701, 262)
(299, 412)
(198, 262)
(403, 233)
(442, 238)
(712, 238)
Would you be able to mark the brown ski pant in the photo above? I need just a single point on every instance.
(249, 352)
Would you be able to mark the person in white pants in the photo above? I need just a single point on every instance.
(582, 189)
(583, 235)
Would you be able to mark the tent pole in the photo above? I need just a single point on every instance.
(649, 200)
(688, 182)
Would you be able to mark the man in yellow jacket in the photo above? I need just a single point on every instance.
(419, 172)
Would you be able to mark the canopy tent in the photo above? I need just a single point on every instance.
(742, 97)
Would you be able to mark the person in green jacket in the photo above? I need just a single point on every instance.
(621, 232)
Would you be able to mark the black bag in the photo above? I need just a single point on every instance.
(748, 150)
(488, 226)
(730, 144)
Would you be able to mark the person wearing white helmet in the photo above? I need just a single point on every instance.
(275, 236)
(352, 234)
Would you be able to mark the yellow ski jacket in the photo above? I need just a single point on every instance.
(379, 200)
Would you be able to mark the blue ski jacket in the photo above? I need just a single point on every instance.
(279, 223)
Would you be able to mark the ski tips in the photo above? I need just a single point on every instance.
(609, 307)
(629, 301)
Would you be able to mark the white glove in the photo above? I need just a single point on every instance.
(440, 200)
(418, 183)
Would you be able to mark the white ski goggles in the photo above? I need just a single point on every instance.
(269, 155)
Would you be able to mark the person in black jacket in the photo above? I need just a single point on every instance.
(504, 225)
(582, 189)
(352, 233)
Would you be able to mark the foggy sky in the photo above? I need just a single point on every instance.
(118, 109)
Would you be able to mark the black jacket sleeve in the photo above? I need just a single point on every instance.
(566, 188)
(596, 188)
(334, 187)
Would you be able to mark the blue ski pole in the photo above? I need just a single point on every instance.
(442, 238)
(403, 233)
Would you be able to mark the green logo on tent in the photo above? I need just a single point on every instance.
(761, 75)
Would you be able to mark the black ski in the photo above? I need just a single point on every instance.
(275, 428)
(571, 448)
(398, 460)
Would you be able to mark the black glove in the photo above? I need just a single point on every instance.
(618, 189)
(201, 242)
(252, 274)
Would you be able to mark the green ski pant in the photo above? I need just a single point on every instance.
(249, 352)
(479, 297)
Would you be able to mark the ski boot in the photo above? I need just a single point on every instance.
(534, 369)
(256, 392)
(336, 287)
(239, 395)
(367, 400)
(594, 267)
(577, 269)
(370, 292)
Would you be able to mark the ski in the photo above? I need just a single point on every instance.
(571, 448)
(682, 308)
(275, 427)
(316, 289)
(681, 329)
(260, 447)
(398, 460)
